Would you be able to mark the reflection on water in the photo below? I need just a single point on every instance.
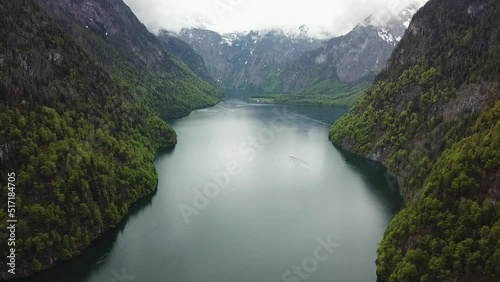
(95, 258)
(251, 193)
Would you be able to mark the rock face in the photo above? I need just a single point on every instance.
(433, 117)
(83, 87)
(112, 23)
(275, 62)
(248, 59)
(357, 56)
(154, 66)
(186, 53)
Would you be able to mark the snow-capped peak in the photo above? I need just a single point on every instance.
(257, 35)
(392, 23)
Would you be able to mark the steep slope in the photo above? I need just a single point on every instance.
(80, 145)
(186, 53)
(433, 117)
(246, 60)
(345, 64)
(133, 55)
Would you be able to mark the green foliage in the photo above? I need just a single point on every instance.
(80, 136)
(36, 265)
(454, 216)
(423, 120)
(138, 61)
(324, 93)
(318, 90)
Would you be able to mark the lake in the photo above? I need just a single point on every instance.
(252, 193)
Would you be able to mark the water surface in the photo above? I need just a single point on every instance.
(250, 194)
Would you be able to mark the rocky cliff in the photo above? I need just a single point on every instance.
(82, 87)
(113, 34)
(346, 61)
(433, 117)
(247, 59)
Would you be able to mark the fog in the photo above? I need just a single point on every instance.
(334, 17)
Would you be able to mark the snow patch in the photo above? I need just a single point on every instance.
(227, 40)
(407, 23)
(386, 36)
(320, 59)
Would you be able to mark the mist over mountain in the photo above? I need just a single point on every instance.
(248, 58)
(359, 55)
(334, 17)
(433, 117)
(294, 64)
(96, 184)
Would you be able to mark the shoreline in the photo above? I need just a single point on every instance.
(23, 274)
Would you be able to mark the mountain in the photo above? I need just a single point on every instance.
(345, 64)
(114, 35)
(82, 87)
(187, 54)
(240, 60)
(433, 117)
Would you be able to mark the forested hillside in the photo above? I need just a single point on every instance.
(340, 71)
(79, 134)
(186, 53)
(433, 117)
(134, 57)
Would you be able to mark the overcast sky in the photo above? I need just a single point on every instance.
(336, 16)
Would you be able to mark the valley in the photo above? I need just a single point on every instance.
(137, 152)
(297, 68)
(220, 224)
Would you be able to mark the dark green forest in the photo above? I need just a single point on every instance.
(135, 58)
(83, 110)
(338, 94)
(321, 91)
(80, 133)
(433, 117)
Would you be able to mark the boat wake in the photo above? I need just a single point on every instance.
(315, 120)
(300, 162)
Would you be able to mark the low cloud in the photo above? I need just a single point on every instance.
(334, 16)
